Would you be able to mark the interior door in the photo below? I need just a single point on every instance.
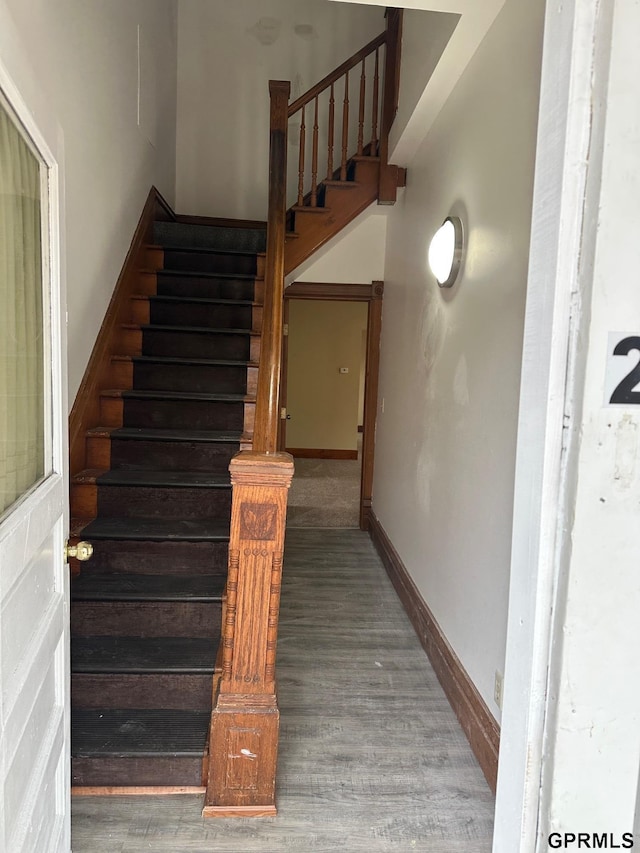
(34, 636)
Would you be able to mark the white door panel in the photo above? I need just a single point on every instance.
(34, 588)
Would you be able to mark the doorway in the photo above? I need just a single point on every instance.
(329, 399)
(34, 600)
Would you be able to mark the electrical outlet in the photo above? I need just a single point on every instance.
(497, 689)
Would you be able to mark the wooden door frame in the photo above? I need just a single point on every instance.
(333, 292)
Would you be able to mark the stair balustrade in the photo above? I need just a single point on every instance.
(243, 741)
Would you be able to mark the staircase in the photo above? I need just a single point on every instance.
(155, 502)
(159, 700)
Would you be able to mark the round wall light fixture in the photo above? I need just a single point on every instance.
(445, 251)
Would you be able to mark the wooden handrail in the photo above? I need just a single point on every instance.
(265, 434)
(243, 736)
(339, 72)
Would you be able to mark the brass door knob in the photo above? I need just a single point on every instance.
(81, 551)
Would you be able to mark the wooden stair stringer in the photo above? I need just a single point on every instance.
(316, 226)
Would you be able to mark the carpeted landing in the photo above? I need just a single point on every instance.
(325, 493)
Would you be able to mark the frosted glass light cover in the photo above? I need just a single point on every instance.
(445, 252)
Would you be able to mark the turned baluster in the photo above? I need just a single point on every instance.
(345, 128)
(301, 162)
(361, 111)
(314, 159)
(374, 109)
(331, 135)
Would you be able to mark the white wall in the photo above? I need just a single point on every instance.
(223, 95)
(425, 36)
(592, 753)
(84, 57)
(450, 360)
(355, 256)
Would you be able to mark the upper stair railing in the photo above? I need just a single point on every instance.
(321, 100)
(243, 741)
(350, 111)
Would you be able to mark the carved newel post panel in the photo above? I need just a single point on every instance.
(244, 724)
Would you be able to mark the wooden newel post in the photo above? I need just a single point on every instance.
(243, 739)
(244, 723)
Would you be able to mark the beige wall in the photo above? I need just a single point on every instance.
(323, 403)
(450, 361)
(84, 64)
(223, 94)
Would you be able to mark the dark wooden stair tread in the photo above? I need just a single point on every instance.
(122, 586)
(203, 250)
(172, 359)
(198, 330)
(198, 300)
(156, 529)
(212, 235)
(204, 274)
(106, 732)
(147, 434)
(155, 478)
(177, 396)
(143, 655)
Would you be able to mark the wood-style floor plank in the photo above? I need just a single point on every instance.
(372, 758)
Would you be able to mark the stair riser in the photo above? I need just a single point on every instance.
(215, 316)
(209, 262)
(173, 455)
(196, 345)
(172, 691)
(157, 558)
(206, 288)
(88, 500)
(222, 379)
(215, 459)
(366, 171)
(222, 237)
(190, 414)
(146, 619)
(342, 205)
(163, 502)
(116, 771)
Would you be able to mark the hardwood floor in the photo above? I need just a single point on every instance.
(371, 755)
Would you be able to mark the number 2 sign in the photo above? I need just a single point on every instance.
(623, 370)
